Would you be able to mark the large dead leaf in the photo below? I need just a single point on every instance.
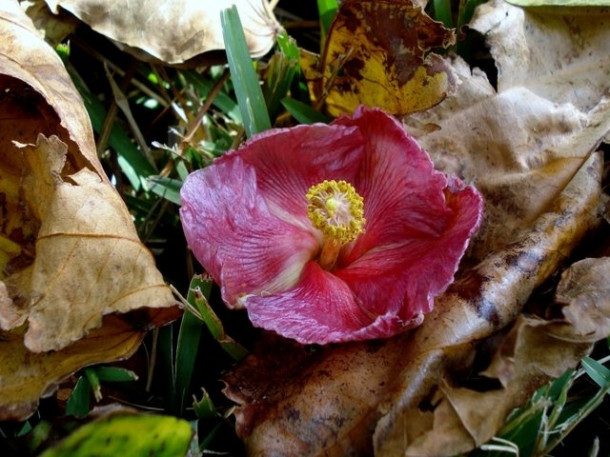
(69, 253)
(377, 54)
(176, 30)
(529, 147)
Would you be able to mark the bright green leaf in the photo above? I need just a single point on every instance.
(130, 435)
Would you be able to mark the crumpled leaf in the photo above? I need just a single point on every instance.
(584, 296)
(529, 148)
(377, 55)
(522, 144)
(177, 30)
(69, 253)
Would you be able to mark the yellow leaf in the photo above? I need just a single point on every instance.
(376, 55)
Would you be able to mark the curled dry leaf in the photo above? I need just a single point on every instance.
(584, 294)
(524, 142)
(176, 30)
(69, 253)
(529, 148)
(377, 55)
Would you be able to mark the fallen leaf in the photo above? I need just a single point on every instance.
(177, 30)
(529, 147)
(129, 433)
(69, 252)
(377, 55)
(584, 296)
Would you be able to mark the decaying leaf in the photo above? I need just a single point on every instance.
(174, 31)
(376, 54)
(530, 148)
(70, 254)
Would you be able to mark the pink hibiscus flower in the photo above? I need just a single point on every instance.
(329, 233)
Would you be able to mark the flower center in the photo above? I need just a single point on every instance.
(337, 210)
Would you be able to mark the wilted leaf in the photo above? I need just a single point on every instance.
(127, 433)
(522, 144)
(177, 30)
(584, 294)
(69, 251)
(376, 54)
(529, 147)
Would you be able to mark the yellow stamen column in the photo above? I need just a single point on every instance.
(337, 210)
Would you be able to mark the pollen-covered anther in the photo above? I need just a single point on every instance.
(337, 210)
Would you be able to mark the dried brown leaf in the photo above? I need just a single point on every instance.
(69, 253)
(176, 30)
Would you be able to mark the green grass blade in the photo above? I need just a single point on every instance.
(596, 371)
(79, 401)
(222, 101)
(304, 113)
(167, 188)
(245, 81)
(188, 343)
(115, 374)
(442, 12)
(327, 10)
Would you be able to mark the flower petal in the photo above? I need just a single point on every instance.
(403, 193)
(319, 309)
(232, 233)
(404, 278)
(322, 309)
(289, 161)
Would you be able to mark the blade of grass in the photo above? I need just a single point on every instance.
(245, 81)
(442, 12)
(188, 343)
(327, 10)
(79, 401)
(167, 188)
(304, 113)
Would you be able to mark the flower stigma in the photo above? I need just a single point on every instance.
(336, 209)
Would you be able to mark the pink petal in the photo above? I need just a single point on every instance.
(322, 309)
(404, 278)
(229, 228)
(289, 161)
(403, 194)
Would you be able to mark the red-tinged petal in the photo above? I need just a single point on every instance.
(404, 278)
(403, 193)
(289, 161)
(322, 309)
(234, 236)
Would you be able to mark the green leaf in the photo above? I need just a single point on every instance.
(304, 113)
(188, 343)
(123, 434)
(131, 160)
(282, 69)
(167, 188)
(115, 374)
(222, 101)
(327, 10)
(245, 81)
(79, 401)
(205, 408)
(442, 12)
(596, 371)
